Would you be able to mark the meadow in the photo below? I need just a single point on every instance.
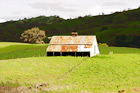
(27, 65)
(21, 50)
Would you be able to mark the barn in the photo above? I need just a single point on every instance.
(74, 45)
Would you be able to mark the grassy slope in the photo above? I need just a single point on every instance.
(20, 46)
(5, 44)
(35, 70)
(97, 74)
(21, 50)
(118, 50)
(106, 73)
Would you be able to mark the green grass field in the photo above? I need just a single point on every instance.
(21, 50)
(26, 65)
(105, 73)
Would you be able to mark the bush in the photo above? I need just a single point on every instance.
(103, 44)
(46, 40)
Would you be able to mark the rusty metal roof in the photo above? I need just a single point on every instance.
(68, 48)
(72, 40)
(70, 43)
(63, 48)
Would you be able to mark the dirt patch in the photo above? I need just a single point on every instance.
(44, 87)
(121, 91)
(20, 89)
(3, 89)
(136, 90)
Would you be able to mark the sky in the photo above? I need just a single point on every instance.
(19, 9)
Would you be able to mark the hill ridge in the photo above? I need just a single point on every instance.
(117, 29)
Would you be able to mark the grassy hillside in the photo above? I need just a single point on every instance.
(35, 69)
(22, 50)
(117, 29)
(102, 73)
(105, 73)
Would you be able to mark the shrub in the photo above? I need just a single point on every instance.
(103, 44)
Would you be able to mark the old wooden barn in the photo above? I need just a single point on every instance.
(75, 45)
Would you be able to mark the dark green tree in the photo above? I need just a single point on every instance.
(118, 19)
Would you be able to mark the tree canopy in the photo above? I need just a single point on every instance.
(33, 35)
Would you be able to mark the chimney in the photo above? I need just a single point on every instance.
(74, 33)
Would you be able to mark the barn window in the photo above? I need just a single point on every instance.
(49, 53)
(86, 54)
(56, 53)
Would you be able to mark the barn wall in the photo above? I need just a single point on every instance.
(94, 50)
(84, 48)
